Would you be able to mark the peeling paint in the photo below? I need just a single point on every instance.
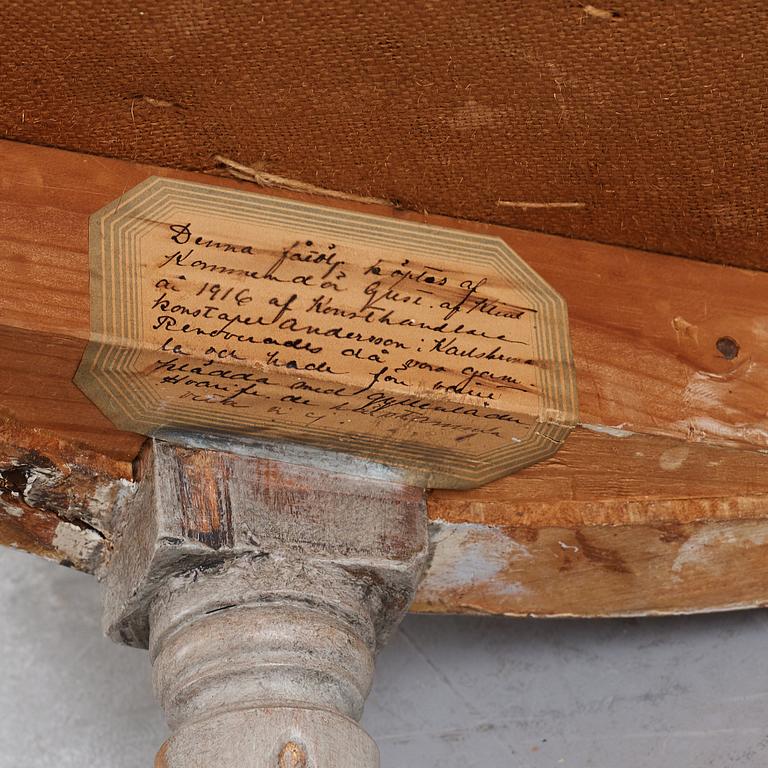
(702, 428)
(617, 431)
(696, 550)
(37, 475)
(468, 554)
(108, 498)
(81, 546)
(69, 490)
(10, 509)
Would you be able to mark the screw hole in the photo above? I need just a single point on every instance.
(727, 347)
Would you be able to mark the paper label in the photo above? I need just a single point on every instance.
(426, 348)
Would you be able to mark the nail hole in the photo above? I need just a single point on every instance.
(727, 347)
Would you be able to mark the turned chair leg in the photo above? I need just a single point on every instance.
(263, 663)
(263, 593)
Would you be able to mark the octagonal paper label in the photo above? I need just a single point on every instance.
(430, 349)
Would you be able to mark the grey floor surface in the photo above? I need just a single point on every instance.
(451, 692)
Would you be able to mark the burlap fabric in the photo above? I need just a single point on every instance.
(647, 119)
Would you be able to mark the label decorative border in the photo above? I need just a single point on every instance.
(108, 377)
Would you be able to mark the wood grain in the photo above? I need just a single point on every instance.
(601, 480)
(57, 499)
(669, 461)
(645, 327)
(608, 527)
(610, 570)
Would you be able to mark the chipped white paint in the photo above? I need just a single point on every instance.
(697, 549)
(10, 509)
(44, 483)
(108, 498)
(38, 476)
(81, 546)
(617, 431)
(673, 458)
(466, 554)
(702, 428)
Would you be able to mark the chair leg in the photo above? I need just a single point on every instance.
(263, 593)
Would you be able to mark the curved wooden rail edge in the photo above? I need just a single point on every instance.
(656, 504)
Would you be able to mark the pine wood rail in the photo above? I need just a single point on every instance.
(657, 502)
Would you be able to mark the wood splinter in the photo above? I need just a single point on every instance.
(263, 592)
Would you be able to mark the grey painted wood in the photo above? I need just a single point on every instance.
(196, 509)
(263, 592)
(277, 737)
(262, 658)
